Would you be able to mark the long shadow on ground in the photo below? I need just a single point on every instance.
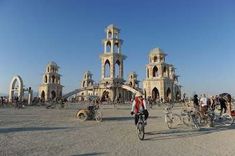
(179, 133)
(89, 154)
(124, 118)
(29, 129)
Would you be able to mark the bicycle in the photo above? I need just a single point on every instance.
(172, 120)
(206, 119)
(140, 126)
(226, 119)
(190, 118)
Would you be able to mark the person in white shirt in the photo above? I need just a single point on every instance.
(203, 105)
(139, 105)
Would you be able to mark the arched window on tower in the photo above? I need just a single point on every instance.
(45, 79)
(155, 59)
(168, 94)
(109, 35)
(115, 35)
(155, 71)
(48, 69)
(117, 69)
(83, 85)
(164, 72)
(53, 79)
(116, 48)
(58, 80)
(108, 46)
(107, 69)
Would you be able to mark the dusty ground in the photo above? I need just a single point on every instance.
(39, 131)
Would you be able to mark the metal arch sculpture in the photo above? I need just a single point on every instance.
(19, 88)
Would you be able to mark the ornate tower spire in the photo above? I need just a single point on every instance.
(112, 43)
(112, 58)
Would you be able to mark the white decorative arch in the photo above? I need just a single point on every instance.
(126, 87)
(76, 91)
(19, 88)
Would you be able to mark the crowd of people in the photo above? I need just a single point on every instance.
(203, 103)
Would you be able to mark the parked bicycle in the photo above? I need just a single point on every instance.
(190, 118)
(172, 119)
(226, 119)
(207, 119)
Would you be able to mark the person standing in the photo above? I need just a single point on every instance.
(2, 101)
(196, 102)
(223, 106)
(203, 105)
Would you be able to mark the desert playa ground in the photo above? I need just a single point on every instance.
(40, 131)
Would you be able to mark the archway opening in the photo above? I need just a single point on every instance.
(105, 96)
(117, 69)
(53, 79)
(45, 79)
(177, 96)
(155, 71)
(83, 84)
(108, 46)
(43, 95)
(155, 59)
(164, 72)
(53, 94)
(16, 91)
(168, 94)
(15, 88)
(109, 34)
(107, 69)
(115, 35)
(155, 94)
(116, 48)
(131, 84)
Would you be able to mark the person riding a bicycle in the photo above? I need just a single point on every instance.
(139, 106)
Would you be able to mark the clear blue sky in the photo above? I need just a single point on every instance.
(197, 35)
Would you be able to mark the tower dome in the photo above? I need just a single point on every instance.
(156, 55)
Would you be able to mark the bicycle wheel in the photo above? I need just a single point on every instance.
(98, 116)
(140, 131)
(82, 115)
(185, 118)
(168, 121)
(174, 122)
(228, 120)
(196, 122)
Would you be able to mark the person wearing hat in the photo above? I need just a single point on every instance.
(139, 105)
